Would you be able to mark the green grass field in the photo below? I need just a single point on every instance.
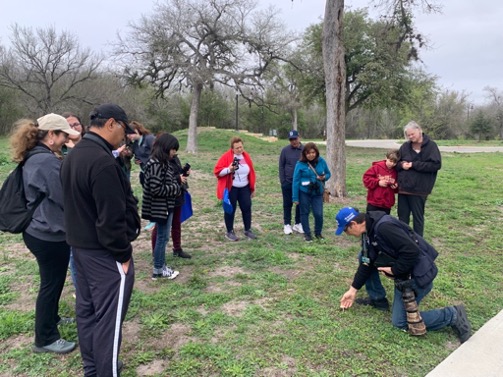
(270, 307)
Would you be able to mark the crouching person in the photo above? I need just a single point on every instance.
(396, 250)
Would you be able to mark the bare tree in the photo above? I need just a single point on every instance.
(198, 43)
(398, 12)
(46, 68)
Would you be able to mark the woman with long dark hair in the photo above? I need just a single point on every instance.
(311, 173)
(160, 189)
(40, 143)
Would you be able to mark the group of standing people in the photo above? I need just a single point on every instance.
(89, 211)
(89, 206)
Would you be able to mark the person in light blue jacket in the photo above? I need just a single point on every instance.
(311, 173)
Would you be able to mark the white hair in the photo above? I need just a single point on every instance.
(411, 125)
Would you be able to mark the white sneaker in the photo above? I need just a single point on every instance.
(169, 273)
(298, 228)
(287, 229)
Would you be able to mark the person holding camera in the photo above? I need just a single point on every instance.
(234, 171)
(311, 173)
(401, 254)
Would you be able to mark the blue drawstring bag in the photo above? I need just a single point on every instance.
(186, 207)
(226, 203)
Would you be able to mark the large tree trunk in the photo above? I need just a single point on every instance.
(194, 109)
(335, 78)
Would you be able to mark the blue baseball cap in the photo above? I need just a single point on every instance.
(293, 134)
(343, 218)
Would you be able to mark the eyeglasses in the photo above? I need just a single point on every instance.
(74, 125)
(123, 126)
(347, 227)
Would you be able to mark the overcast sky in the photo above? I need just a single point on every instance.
(466, 40)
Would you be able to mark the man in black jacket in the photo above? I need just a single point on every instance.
(287, 160)
(420, 160)
(403, 256)
(101, 219)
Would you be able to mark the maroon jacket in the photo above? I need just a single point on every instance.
(378, 196)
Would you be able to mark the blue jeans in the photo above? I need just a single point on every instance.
(435, 319)
(163, 231)
(286, 190)
(374, 286)
(308, 202)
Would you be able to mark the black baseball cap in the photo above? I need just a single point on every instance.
(111, 110)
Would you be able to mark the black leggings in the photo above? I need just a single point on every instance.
(52, 259)
(241, 195)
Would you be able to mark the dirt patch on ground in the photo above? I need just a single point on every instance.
(235, 308)
(154, 368)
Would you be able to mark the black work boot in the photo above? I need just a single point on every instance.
(182, 254)
(461, 325)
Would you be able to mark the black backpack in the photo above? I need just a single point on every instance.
(14, 216)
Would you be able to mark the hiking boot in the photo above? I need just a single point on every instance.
(182, 254)
(308, 238)
(65, 321)
(319, 237)
(382, 304)
(287, 229)
(60, 346)
(298, 228)
(231, 236)
(462, 326)
(250, 235)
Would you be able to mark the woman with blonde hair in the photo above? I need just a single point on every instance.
(39, 145)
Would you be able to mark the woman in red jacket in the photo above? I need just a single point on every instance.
(234, 171)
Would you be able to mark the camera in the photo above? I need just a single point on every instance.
(235, 163)
(185, 169)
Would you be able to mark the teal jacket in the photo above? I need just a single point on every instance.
(305, 180)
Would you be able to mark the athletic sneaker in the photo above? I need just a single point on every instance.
(298, 228)
(250, 235)
(287, 229)
(164, 273)
(231, 236)
(59, 346)
(462, 326)
(308, 238)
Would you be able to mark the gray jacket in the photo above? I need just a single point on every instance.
(41, 175)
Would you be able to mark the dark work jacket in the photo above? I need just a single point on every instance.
(420, 179)
(390, 239)
(100, 209)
